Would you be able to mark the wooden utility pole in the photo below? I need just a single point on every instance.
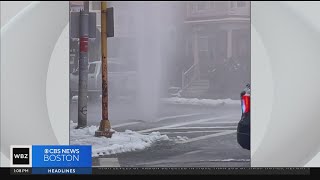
(105, 127)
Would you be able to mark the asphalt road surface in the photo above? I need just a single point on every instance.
(199, 136)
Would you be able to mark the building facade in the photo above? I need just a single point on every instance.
(218, 35)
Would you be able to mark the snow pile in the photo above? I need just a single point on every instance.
(119, 143)
(201, 102)
(180, 139)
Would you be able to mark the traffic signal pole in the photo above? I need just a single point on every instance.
(105, 127)
(83, 66)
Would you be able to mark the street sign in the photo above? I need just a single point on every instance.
(110, 22)
(75, 18)
(75, 24)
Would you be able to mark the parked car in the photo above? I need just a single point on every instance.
(243, 130)
(121, 80)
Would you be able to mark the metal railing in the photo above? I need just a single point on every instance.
(190, 75)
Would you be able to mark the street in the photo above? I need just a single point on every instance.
(199, 136)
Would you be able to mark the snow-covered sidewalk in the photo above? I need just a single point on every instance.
(119, 143)
(200, 102)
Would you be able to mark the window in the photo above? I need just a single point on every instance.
(241, 3)
(201, 6)
(92, 68)
(95, 5)
(238, 4)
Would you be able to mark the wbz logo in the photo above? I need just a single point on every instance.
(20, 156)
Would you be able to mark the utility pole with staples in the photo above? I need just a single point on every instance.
(83, 27)
(106, 18)
(83, 66)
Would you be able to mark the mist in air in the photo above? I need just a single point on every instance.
(148, 49)
(174, 69)
(160, 52)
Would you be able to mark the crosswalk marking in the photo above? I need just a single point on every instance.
(215, 131)
(190, 132)
(221, 122)
(186, 123)
(160, 119)
(179, 116)
(214, 127)
(207, 136)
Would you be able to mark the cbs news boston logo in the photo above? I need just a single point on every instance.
(51, 159)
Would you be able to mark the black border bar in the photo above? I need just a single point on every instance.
(181, 171)
(200, 171)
